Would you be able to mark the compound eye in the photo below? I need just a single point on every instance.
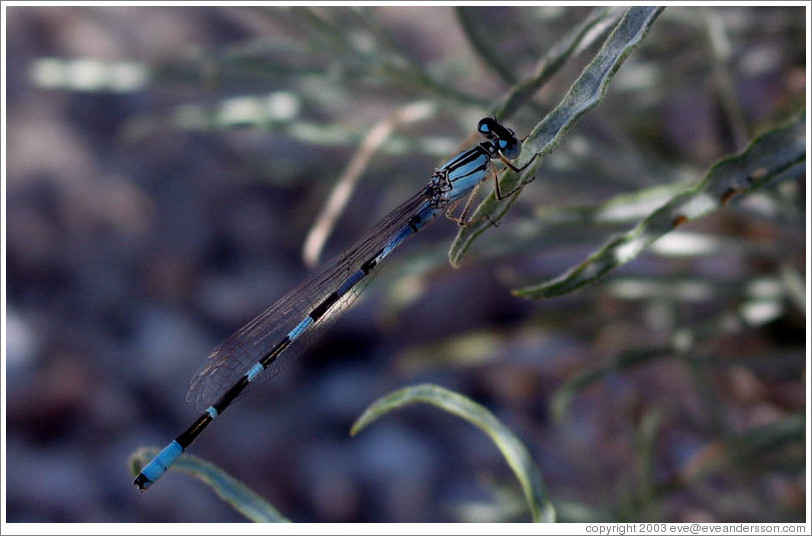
(485, 127)
(510, 149)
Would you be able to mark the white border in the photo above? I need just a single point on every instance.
(407, 528)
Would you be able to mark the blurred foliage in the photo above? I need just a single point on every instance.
(511, 447)
(680, 377)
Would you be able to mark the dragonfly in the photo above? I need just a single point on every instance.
(260, 348)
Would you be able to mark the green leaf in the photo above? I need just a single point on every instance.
(583, 95)
(767, 158)
(577, 39)
(227, 487)
(512, 449)
(573, 42)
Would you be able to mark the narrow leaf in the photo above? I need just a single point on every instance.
(512, 449)
(227, 487)
(583, 95)
(577, 39)
(766, 159)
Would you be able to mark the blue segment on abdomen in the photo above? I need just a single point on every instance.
(295, 332)
(254, 371)
(154, 469)
(395, 242)
(350, 282)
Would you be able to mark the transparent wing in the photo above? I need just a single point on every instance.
(231, 360)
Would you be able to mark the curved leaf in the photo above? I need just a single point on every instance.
(766, 159)
(579, 38)
(227, 487)
(512, 449)
(576, 40)
(583, 95)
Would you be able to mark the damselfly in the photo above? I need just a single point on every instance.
(280, 332)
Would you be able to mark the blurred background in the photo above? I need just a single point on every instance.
(165, 166)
